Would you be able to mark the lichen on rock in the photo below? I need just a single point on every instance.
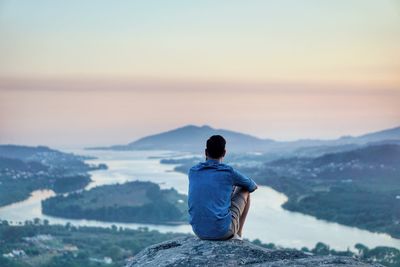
(192, 251)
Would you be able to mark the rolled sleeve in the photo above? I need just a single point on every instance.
(242, 180)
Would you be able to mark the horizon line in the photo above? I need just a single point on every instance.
(202, 125)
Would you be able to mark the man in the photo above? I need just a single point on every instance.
(219, 196)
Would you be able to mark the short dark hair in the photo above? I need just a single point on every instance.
(216, 146)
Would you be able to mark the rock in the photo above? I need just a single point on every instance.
(192, 251)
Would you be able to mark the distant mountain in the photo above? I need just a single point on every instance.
(192, 138)
(388, 134)
(379, 156)
(387, 155)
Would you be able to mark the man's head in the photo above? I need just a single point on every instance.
(215, 147)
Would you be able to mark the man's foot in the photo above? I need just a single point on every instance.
(237, 237)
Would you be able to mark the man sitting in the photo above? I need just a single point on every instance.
(219, 196)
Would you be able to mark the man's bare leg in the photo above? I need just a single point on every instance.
(244, 215)
(242, 219)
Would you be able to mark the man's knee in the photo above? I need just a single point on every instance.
(243, 192)
(240, 189)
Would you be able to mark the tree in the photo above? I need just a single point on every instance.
(362, 249)
(321, 249)
(36, 221)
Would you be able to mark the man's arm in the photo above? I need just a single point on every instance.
(243, 181)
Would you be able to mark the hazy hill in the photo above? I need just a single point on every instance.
(44, 155)
(192, 138)
(382, 156)
(23, 152)
(387, 134)
(24, 169)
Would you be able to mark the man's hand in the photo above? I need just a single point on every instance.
(255, 188)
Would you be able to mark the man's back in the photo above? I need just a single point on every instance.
(210, 189)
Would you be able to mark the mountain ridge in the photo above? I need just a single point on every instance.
(191, 138)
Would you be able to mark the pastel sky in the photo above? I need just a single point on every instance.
(99, 72)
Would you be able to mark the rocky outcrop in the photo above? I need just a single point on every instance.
(191, 251)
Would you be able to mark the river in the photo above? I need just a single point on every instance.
(267, 220)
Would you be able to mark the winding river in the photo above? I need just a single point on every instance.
(267, 220)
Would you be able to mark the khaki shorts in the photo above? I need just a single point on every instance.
(238, 203)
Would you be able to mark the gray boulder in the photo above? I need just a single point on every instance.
(192, 251)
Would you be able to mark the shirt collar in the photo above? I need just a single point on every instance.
(212, 161)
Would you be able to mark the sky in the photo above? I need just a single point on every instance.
(82, 73)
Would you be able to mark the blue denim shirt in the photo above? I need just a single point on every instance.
(210, 188)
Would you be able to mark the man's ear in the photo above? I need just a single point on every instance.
(223, 155)
(205, 152)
